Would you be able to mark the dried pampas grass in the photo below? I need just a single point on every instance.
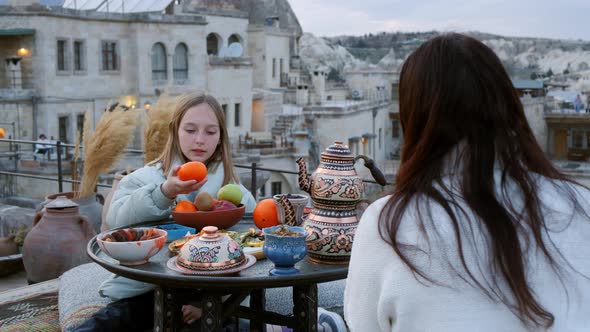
(104, 146)
(156, 130)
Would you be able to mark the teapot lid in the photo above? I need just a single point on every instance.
(61, 202)
(338, 150)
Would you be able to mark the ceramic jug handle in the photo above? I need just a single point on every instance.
(86, 227)
(38, 217)
(100, 198)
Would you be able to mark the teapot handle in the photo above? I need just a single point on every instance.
(86, 227)
(375, 172)
(38, 217)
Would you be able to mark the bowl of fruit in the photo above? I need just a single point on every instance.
(132, 246)
(223, 212)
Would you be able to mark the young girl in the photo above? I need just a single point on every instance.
(197, 133)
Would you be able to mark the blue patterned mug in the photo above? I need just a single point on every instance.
(284, 250)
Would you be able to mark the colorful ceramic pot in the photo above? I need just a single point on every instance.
(297, 201)
(284, 250)
(211, 251)
(335, 189)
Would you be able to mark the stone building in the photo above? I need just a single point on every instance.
(63, 58)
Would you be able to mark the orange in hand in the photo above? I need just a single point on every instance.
(185, 206)
(265, 214)
(193, 170)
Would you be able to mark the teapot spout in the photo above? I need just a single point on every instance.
(304, 178)
(375, 172)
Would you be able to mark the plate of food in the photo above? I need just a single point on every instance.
(251, 242)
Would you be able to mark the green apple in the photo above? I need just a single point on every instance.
(231, 193)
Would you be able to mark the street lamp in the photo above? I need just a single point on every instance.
(22, 52)
(147, 105)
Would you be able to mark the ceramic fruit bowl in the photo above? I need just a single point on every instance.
(222, 219)
(284, 246)
(212, 252)
(128, 248)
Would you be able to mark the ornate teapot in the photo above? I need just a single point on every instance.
(335, 189)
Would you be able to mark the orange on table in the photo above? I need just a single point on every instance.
(185, 206)
(193, 170)
(265, 214)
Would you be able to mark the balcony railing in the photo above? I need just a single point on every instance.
(14, 156)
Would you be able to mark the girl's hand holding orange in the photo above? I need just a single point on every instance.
(174, 186)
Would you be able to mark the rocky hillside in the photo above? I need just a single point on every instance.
(565, 61)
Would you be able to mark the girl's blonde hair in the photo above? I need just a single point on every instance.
(172, 149)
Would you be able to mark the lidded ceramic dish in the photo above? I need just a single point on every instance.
(211, 251)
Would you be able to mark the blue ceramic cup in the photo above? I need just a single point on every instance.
(284, 251)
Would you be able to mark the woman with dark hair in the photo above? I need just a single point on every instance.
(482, 232)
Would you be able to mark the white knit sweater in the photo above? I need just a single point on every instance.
(383, 295)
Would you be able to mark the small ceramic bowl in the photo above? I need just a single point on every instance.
(176, 231)
(211, 251)
(284, 251)
(222, 219)
(132, 252)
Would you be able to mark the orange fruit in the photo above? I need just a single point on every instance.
(185, 206)
(265, 214)
(193, 170)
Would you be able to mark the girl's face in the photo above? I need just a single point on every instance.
(199, 133)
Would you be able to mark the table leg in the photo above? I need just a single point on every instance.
(258, 304)
(305, 301)
(167, 314)
(211, 321)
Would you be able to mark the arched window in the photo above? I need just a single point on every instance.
(235, 38)
(159, 72)
(180, 62)
(213, 44)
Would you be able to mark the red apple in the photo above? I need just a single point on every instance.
(221, 205)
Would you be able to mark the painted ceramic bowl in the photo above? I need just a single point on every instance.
(284, 250)
(211, 251)
(132, 252)
(222, 219)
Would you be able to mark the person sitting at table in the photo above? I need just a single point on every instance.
(197, 133)
(42, 147)
(481, 232)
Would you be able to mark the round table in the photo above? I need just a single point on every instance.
(174, 288)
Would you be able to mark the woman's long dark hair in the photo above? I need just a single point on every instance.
(455, 92)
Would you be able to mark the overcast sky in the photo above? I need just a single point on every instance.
(565, 19)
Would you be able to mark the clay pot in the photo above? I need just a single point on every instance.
(107, 202)
(90, 206)
(57, 242)
(8, 246)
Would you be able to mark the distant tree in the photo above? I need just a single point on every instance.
(566, 71)
(334, 75)
(534, 76)
(549, 73)
(359, 44)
